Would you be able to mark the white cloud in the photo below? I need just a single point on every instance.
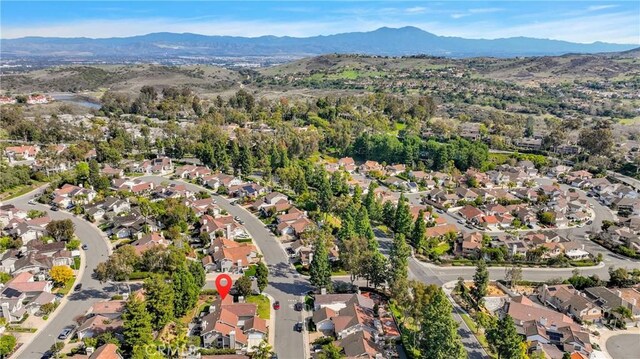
(600, 7)
(416, 10)
(459, 15)
(486, 10)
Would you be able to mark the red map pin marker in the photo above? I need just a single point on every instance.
(223, 284)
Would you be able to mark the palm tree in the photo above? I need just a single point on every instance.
(262, 351)
(620, 314)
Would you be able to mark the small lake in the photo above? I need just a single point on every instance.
(75, 99)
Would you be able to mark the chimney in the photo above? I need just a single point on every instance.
(323, 291)
(543, 321)
(583, 247)
(89, 350)
(240, 299)
(232, 339)
(229, 231)
(619, 293)
(215, 249)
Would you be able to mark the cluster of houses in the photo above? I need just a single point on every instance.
(21, 153)
(32, 99)
(359, 330)
(556, 326)
(551, 245)
(28, 260)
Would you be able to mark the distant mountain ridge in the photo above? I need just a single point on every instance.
(383, 41)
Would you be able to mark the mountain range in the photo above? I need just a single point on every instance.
(383, 41)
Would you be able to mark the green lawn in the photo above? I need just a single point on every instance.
(76, 263)
(441, 249)
(67, 287)
(19, 190)
(630, 121)
(264, 306)
(251, 272)
(301, 269)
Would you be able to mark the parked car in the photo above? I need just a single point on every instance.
(589, 222)
(77, 287)
(55, 208)
(276, 305)
(236, 218)
(65, 333)
(85, 247)
(32, 202)
(299, 327)
(299, 306)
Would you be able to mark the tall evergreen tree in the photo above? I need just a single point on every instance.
(363, 228)
(389, 214)
(197, 271)
(402, 219)
(419, 230)
(262, 274)
(480, 282)
(320, 269)
(185, 291)
(136, 323)
(159, 300)
(352, 255)
(371, 203)
(325, 194)
(440, 339)
(399, 269)
(376, 268)
(505, 340)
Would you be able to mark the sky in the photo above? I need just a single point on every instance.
(576, 21)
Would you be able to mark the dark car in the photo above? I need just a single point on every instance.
(85, 247)
(299, 306)
(274, 356)
(299, 327)
(276, 305)
(77, 287)
(47, 355)
(55, 208)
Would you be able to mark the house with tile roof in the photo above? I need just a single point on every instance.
(233, 325)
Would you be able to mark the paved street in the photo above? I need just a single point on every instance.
(285, 285)
(92, 290)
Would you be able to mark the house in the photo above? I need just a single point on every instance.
(21, 153)
(370, 166)
(22, 294)
(37, 99)
(441, 231)
(361, 344)
(566, 299)
(470, 213)
(112, 172)
(609, 300)
(336, 302)
(394, 170)
(230, 256)
(224, 225)
(106, 351)
(348, 164)
(270, 199)
(149, 241)
(74, 195)
(97, 325)
(233, 325)
(111, 309)
(471, 244)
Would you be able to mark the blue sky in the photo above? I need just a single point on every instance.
(578, 21)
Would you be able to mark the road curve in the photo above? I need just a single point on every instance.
(78, 302)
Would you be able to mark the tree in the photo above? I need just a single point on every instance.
(505, 340)
(331, 351)
(137, 328)
(61, 274)
(620, 314)
(480, 282)
(262, 275)
(56, 348)
(159, 297)
(620, 277)
(61, 230)
(513, 275)
(185, 291)
(48, 308)
(376, 268)
(73, 244)
(7, 343)
(320, 269)
(352, 255)
(262, 351)
(440, 337)
(119, 266)
(402, 219)
(399, 269)
(419, 230)
(243, 286)
(197, 271)
(388, 214)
